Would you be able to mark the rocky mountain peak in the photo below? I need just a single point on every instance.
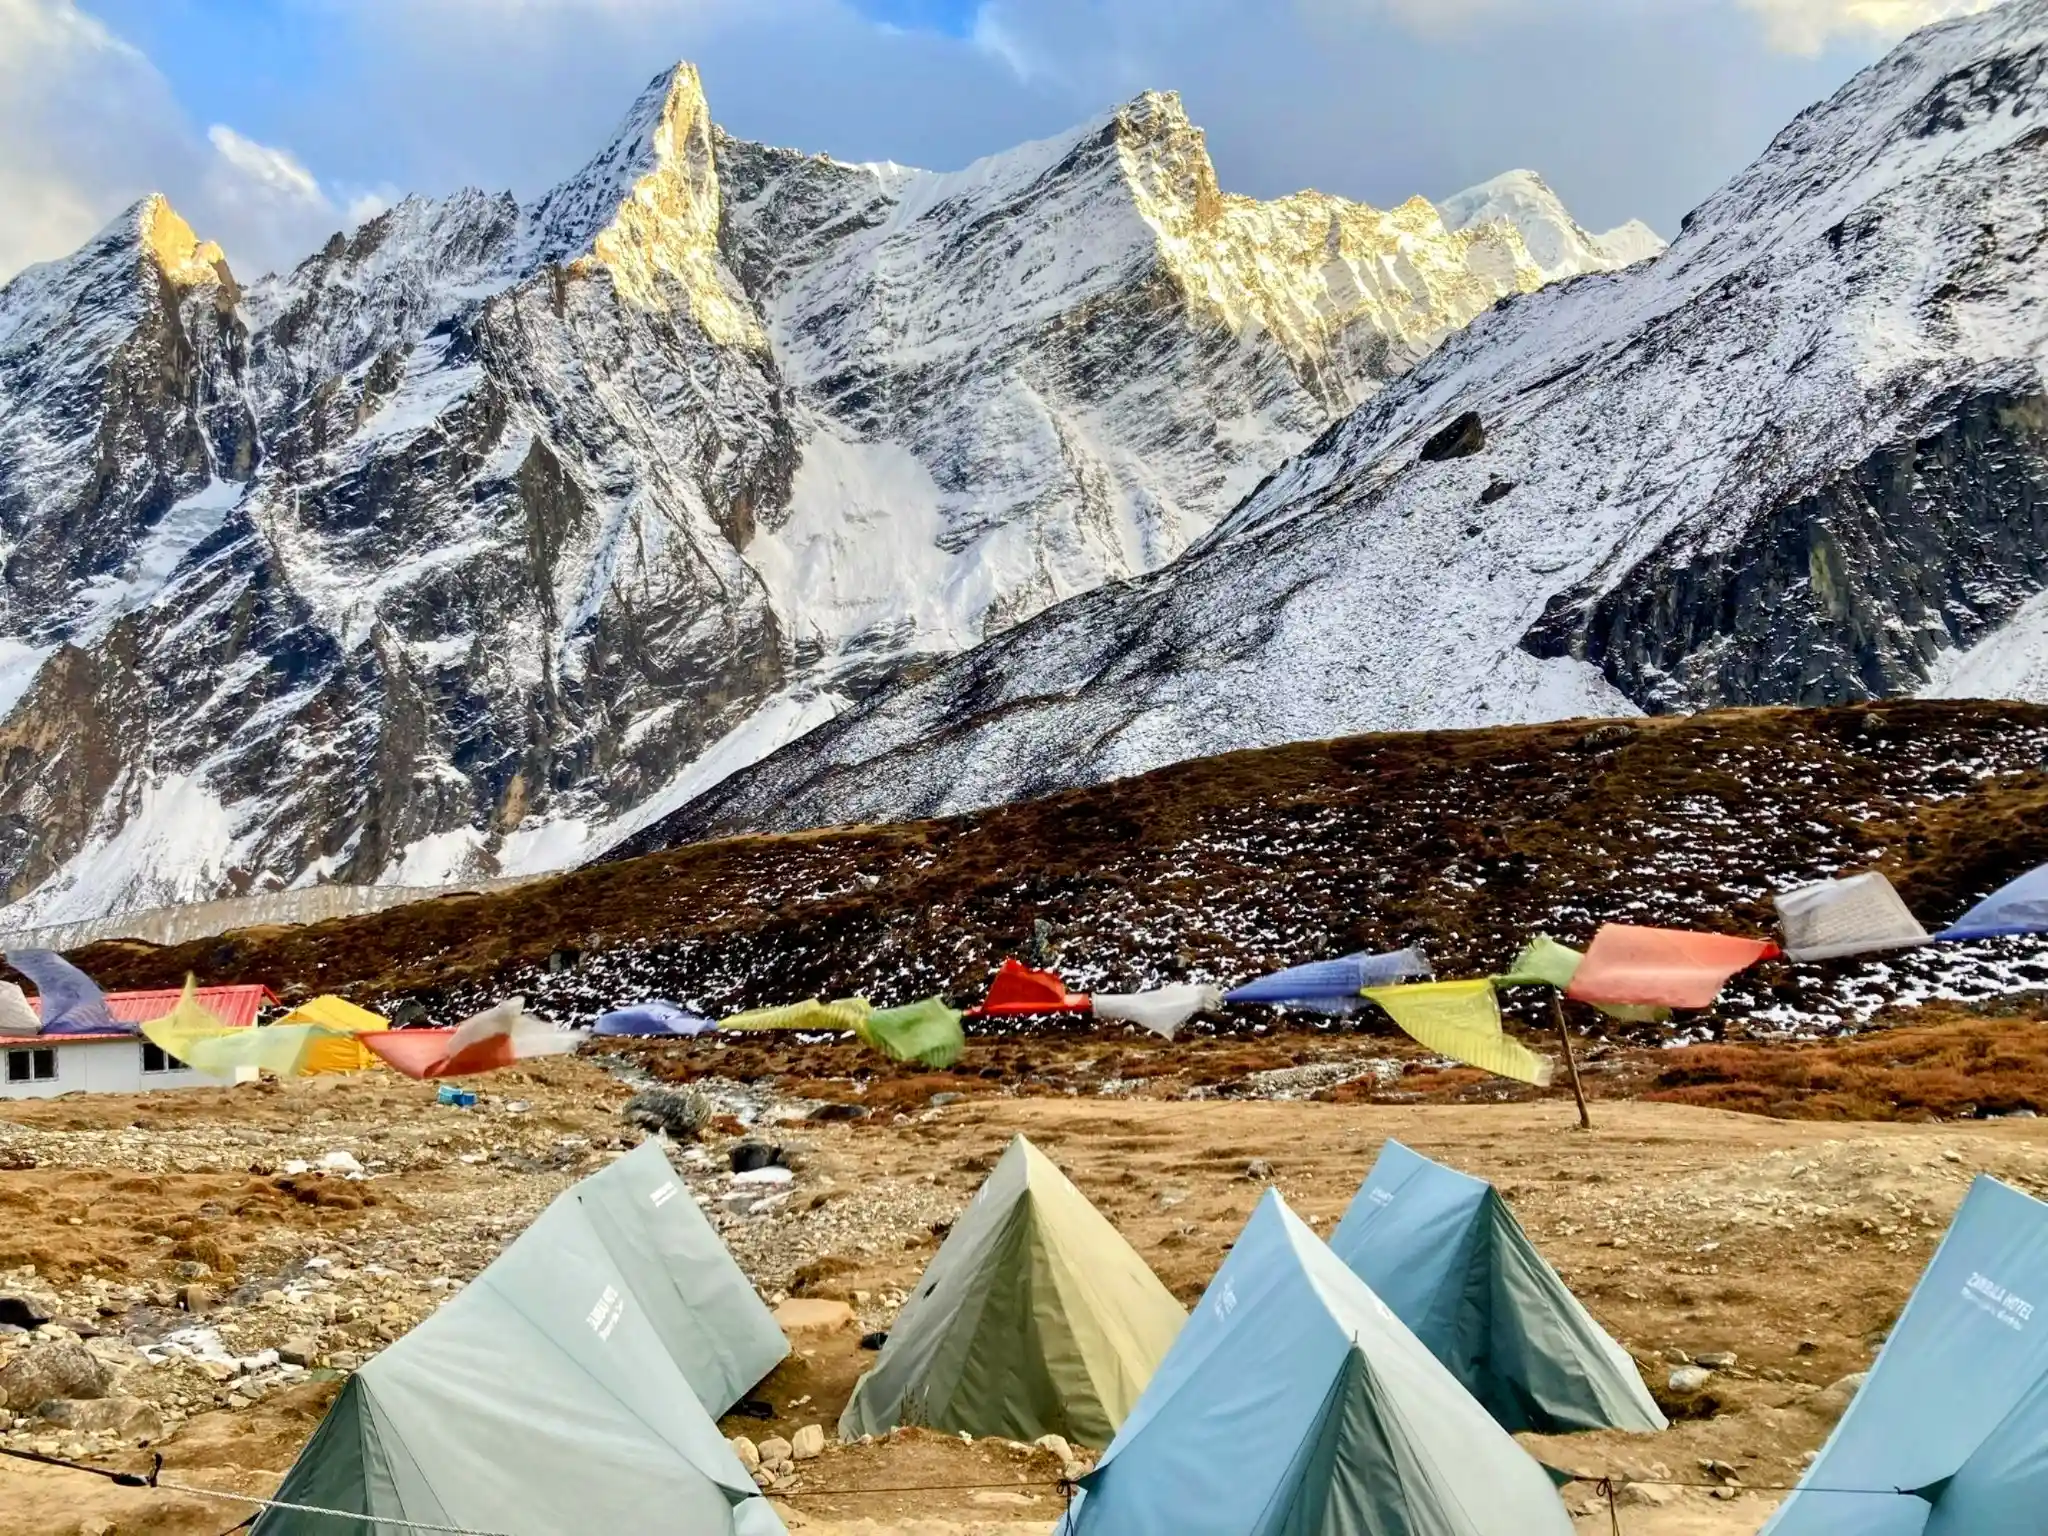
(647, 211)
(166, 238)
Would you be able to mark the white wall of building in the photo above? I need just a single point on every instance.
(96, 1066)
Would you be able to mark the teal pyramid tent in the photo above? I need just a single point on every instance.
(1295, 1404)
(555, 1392)
(1949, 1436)
(1444, 1251)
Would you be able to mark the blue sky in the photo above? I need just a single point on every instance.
(270, 123)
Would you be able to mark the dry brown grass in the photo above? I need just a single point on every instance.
(1954, 1067)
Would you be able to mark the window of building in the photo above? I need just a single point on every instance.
(156, 1059)
(33, 1066)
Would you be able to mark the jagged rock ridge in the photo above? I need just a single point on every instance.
(1797, 459)
(491, 532)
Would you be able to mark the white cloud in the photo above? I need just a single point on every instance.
(1807, 26)
(262, 170)
(88, 125)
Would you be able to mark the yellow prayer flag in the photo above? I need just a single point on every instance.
(1461, 1020)
(847, 1013)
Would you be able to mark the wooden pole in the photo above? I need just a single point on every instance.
(1571, 1060)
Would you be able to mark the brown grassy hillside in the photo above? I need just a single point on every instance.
(1223, 867)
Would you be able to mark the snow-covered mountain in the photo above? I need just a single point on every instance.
(1561, 246)
(1799, 458)
(493, 532)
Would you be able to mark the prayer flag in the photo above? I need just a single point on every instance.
(497, 1037)
(1163, 1010)
(927, 1032)
(1461, 1020)
(1662, 967)
(1544, 962)
(847, 1013)
(2021, 907)
(71, 1003)
(1856, 915)
(1332, 986)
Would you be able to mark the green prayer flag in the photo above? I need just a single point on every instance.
(928, 1032)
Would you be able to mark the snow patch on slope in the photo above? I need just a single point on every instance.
(2010, 663)
(176, 843)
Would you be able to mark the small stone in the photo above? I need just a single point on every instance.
(1056, 1445)
(774, 1451)
(762, 1477)
(93, 1525)
(811, 1314)
(1688, 1379)
(1950, 1154)
(748, 1452)
(1719, 1360)
(1834, 1399)
(808, 1443)
(1807, 1347)
(941, 1100)
(1651, 1495)
(298, 1351)
(195, 1298)
(1259, 1171)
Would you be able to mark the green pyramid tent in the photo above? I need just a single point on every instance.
(1295, 1404)
(1444, 1251)
(565, 1389)
(1035, 1317)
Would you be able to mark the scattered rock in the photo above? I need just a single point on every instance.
(1259, 1171)
(808, 1443)
(1833, 1400)
(1496, 491)
(129, 1417)
(1688, 1379)
(748, 1452)
(54, 1370)
(676, 1113)
(941, 1100)
(827, 1113)
(298, 1351)
(195, 1298)
(1056, 1445)
(1719, 1360)
(1650, 1495)
(811, 1314)
(775, 1452)
(19, 1313)
(93, 1525)
(746, 1156)
(1460, 440)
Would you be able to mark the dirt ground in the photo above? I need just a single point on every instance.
(1790, 1244)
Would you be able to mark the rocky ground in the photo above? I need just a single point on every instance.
(191, 1273)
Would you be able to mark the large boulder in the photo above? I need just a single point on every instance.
(129, 1417)
(62, 1368)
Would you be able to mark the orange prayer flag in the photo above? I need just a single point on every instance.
(1662, 967)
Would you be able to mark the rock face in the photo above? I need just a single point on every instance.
(1797, 459)
(491, 533)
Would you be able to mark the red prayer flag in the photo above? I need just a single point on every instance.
(1020, 990)
(425, 1053)
(1662, 967)
(495, 1038)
